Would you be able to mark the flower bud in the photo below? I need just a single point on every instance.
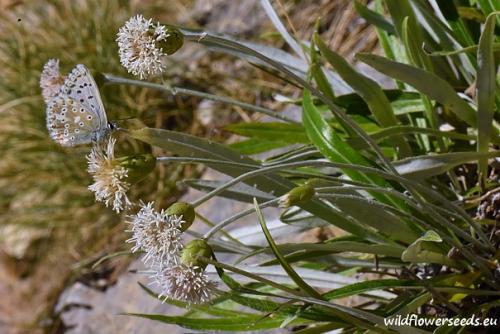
(193, 253)
(138, 166)
(184, 210)
(297, 196)
(172, 41)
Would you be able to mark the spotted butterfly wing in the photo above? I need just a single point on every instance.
(76, 115)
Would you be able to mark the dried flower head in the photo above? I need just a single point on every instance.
(110, 179)
(184, 283)
(139, 50)
(158, 234)
(51, 80)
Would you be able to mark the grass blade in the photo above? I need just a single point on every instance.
(421, 167)
(485, 84)
(368, 89)
(337, 150)
(288, 268)
(426, 82)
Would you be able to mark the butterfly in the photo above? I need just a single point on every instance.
(76, 114)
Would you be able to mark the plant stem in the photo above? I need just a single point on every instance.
(204, 161)
(112, 79)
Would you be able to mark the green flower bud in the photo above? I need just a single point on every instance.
(172, 42)
(297, 196)
(138, 166)
(193, 252)
(185, 210)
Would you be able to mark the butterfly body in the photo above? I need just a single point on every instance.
(76, 114)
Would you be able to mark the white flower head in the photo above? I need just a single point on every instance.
(110, 179)
(138, 46)
(51, 80)
(184, 283)
(157, 234)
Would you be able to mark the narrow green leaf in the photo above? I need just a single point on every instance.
(332, 247)
(288, 268)
(243, 323)
(207, 309)
(405, 130)
(425, 82)
(368, 89)
(374, 18)
(413, 40)
(256, 145)
(354, 316)
(317, 71)
(337, 150)
(485, 85)
(191, 146)
(273, 131)
(269, 306)
(469, 49)
(363, 287)
(421, 167)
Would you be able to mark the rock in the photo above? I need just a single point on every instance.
(93, 311)
(218, 16)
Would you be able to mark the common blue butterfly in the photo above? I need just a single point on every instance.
(76, 114)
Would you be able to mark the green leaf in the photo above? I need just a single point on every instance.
(272, 131)
(332, 247)
(236, 324)
(421, 167)
(363, 287)
(413, 40)
(374, 18)
(288, 268)
(207, 309)
(469, 49)
(191, 146)
(316, 69)
(368, 89)
(256, 145)
(269, 306)
(486, 85)
(337, 150)
(248, 51)
(404, 130)
(425, 82)
(354, 316)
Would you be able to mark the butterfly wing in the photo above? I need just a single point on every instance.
(70, 123)
(80, 87)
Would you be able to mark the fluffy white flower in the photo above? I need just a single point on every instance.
(138, 46)
(184, 283)
(51, 80)
(110, 179)
(157, 234)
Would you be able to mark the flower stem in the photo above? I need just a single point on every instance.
(112, 79)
